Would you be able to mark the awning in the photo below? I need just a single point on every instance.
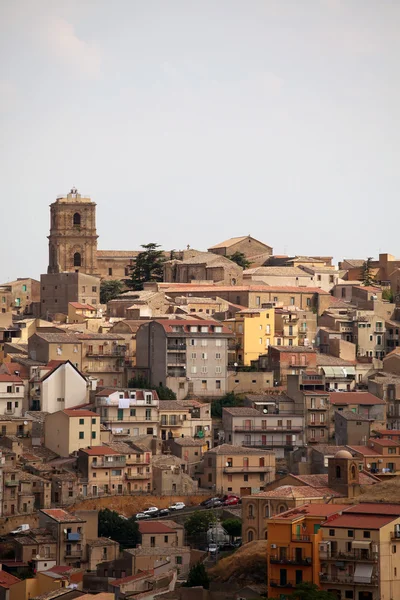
(363, 574)
(361, 544)
(328, 371)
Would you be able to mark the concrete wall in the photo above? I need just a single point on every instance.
(64, 383)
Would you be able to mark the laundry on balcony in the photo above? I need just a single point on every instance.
(123, 403)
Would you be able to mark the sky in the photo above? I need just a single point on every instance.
(192, 121)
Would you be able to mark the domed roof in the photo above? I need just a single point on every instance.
(343, 454)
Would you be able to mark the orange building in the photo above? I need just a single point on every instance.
(293, 546)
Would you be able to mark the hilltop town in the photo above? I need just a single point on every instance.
(164, 410)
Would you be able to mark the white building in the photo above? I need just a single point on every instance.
(59, 386)
(12, 390)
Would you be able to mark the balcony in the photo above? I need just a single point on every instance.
(355, 555)
(51, 556)
(280, 428)
(242, 469)
(73, 537)
(11, 483)
(266, 445)
(282, 583)
(172, 372)
(109, 464)
(316, 424)
(349, 579)
(174, 424)
(300, 538)
(73, 553)
(135, 476)
(276, 560)
(117, 353)
(181, 347)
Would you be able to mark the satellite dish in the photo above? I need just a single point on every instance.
(368, 466)
(235, 364)
(65, 531)
(37, 556)
(25, 422)
(265, 411)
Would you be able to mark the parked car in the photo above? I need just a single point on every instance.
(207, 502)
(163, 512)
(21, 529)
(237, 543)
(177, 506)
(152, 510)
(228, 496)
(214, 503)
(213, 548)
(142, 515)
(231, 501)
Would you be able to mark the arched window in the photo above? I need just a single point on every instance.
(267, 511)
(250, 536)
(77, 259)
(282, 508)
(77, 219)
(338, 472)
(353, 471)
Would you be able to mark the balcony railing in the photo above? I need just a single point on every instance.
(120, 353)
(176, 347)
(73, 553)
(275, 559)
(349, 579)
(109, 464)
(11, 483)
(282, 583)
(356, 554)
(133, 476)
(300, 538)
(289, 428)
(265, 444)
(316, 424)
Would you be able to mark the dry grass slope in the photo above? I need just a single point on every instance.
(387, 491)
(247, 565)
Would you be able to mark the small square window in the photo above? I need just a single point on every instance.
(332, 533)
(367, 534)
(350, 533)
(81, 435)
(81, 421)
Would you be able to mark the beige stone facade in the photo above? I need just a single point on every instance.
(45, 347)
(247, 245)
(228, 468)
(103, 357)
(185, 418)
(128, 411)
(24, 293)
(103, 471)
(66, 431)
(205, 266)
(57, 290)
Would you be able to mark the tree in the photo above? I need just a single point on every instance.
(198, 577)
(140, 383)
(388, 295)
(110, 290)
(240, 259)
(310, 591)
(230, 399)
(199, 522)
(233, 527)
(123, 531)
(367, 277)
(148, 266)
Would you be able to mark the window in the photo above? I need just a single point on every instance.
(152, 542)
(251, 510)
(148, 414)
(204, 355)
(133, 412)
(292, 300)
(9, 389)
(245, 477)
(366, 534)
(24, 288)
(165, 539)
(218, 355)
(204, 384)
(81, 421)
(178, 560)
(394, 549)
(350, 533)
(81, 435)
(218, 384)
(110, 271)
(77, 259)
(308, 301)
(258, 300)
(194, 354)
(218, 370)
(193, 369)
(332, 533)
(77, 219)
(93, 435)
(250, 536)
(348, 594)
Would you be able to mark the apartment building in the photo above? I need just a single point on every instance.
(380, 456)
(387, 387)
(293, 551)
(288, 360)
(46, 347)
(286, 327)
(38, 545)
(23, 492)
(127, 329)
(351, 428)
(69, 531)
(24, 292)
(103, 471)
(20, 427)
(358, 552)
(128, 411)
(190, 356)
(189, 450)
(254, 331)
(170, 476)
(6, 299)
(364, 404)
(312, 401)
(228, 468)
(57, 290)
(12, 394)
(250, 428)
(161, 534)
(138, 473)
(103, 357)
(57, 386)
(185, 418)
(66, 431)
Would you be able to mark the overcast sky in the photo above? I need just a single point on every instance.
(192, 121)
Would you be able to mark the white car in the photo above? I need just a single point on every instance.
(151, 510)
(141, 516)
(177, 506)
(213, 548)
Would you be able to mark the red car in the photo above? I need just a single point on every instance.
(231, 501)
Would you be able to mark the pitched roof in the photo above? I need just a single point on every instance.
(189, 441)
(99, 451)
(82, 306)
(7, 580)
(361, 398)
(79, 413)
(60, 515)
(6, 378)
(349, 415)
(215, 288)
(327, 360)
(129, 578)
(376, 508)
(232, 241)
(230, 449)
(154, 527)
(297, 491)
(58, 338)
(318, 510)
(99, 336)
(355, 521)
(169, 324)
(241, 411)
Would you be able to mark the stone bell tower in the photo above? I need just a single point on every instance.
(73, 237)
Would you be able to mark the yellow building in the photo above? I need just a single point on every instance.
(67, 431)
(254, 331)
